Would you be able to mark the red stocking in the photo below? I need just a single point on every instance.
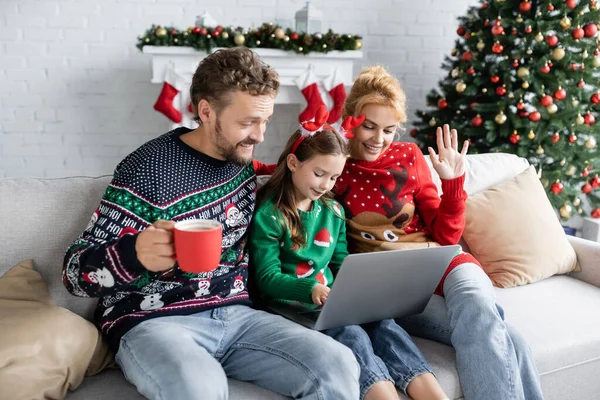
(335, 86)
(164, 103)
(307, 83)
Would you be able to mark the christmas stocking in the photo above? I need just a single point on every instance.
(308, 85)
(172, 85)
(335, 86)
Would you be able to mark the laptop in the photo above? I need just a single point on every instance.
(376, 286)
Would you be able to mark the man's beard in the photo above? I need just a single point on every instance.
(228, 151)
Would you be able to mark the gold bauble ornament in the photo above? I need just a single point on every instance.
(147, 40)
(590, 143)
(160, 31)
(484, 90)
(570, 172)
(529, 51)
(358, 44)
(563, 162)
(565, 23)
(258, 42)
(565, 211)
(545, 182)
(576, 201)
(461, 87)
(540, 150)
(457, 112)
(286, 38)
(455, 72)
(575, 102)
(300, 49)
(480, 45)
(596, 61)
(539, 37)
(579, 120)
(531, 135)
(500, 118)
(432, 122)
(519, 18)
(239, 39)
(558, 53)
(511, 95)
(525, 85)
(523, 72)
(279, 33)
(585, 54)
(552, 109)
(225, 35)
(580, 210)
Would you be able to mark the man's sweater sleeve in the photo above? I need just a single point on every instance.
(103, 259)
(265, 239)
(444, 217)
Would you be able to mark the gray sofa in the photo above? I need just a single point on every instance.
(560, 316)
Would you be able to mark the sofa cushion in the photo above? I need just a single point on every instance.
(514, 233)
(44, 349)
(43, 217)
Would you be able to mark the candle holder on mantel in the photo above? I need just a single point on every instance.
(309, 19)
(206, 20)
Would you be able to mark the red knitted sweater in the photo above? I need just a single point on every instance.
(392, 203)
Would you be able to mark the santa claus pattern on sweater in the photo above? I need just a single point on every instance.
(163, 179)
(392, 203)
(286, 272)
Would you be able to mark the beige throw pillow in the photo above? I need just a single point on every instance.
(515, 234)
(45, 350)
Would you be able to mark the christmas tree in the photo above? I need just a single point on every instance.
(524, 78)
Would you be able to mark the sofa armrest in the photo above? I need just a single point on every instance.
(588, 255)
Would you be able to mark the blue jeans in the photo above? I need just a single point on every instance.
(492, 359)
(190, 357)
(385, 352)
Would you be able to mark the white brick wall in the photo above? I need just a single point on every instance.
(75, 95)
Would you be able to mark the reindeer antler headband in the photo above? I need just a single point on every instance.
(317, 123)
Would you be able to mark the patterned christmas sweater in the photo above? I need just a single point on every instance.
(163, 179)
(392, 203)
(285, 272)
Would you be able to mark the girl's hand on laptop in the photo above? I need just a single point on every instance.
(319, 294)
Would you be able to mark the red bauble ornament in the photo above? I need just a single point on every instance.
(571, 4)
(523, 113)
(514, 138)
(196, 30)
(560, 94)
(590, 30)
(471, 71)
(497, 29)
(581, 83)
(442, 103)
(552, 40)
(467, 56)
(587, 188)
(173, 32)
(528, 29)
(520, 105)
(595, 98)
(203, 31)
(413, 132)
(595, 182)
(473, 105)
(525, 6)
(477, 121)
(597, 52)
(589, 119)
(467, 35)
(500, 90)
(550, 7)
(219, 28)
(484, 5)
(495, 79)
(514, 31)
(577, 33)
(461, 31)
(555, 138)
(546, 100)
(216, 32)
(515, 63)
(557, 187)
(294, 36)
(595, 213)
(497, 48)
(535, 116)
(545, 69)
(585, 172)
(572, 138)
(550, 64)
(486, 23)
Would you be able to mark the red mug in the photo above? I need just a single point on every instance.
(198, 244)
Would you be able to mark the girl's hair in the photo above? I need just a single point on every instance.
(375, 85)
(280, 187)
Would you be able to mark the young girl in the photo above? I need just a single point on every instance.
(299, 242)
(392, 203)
